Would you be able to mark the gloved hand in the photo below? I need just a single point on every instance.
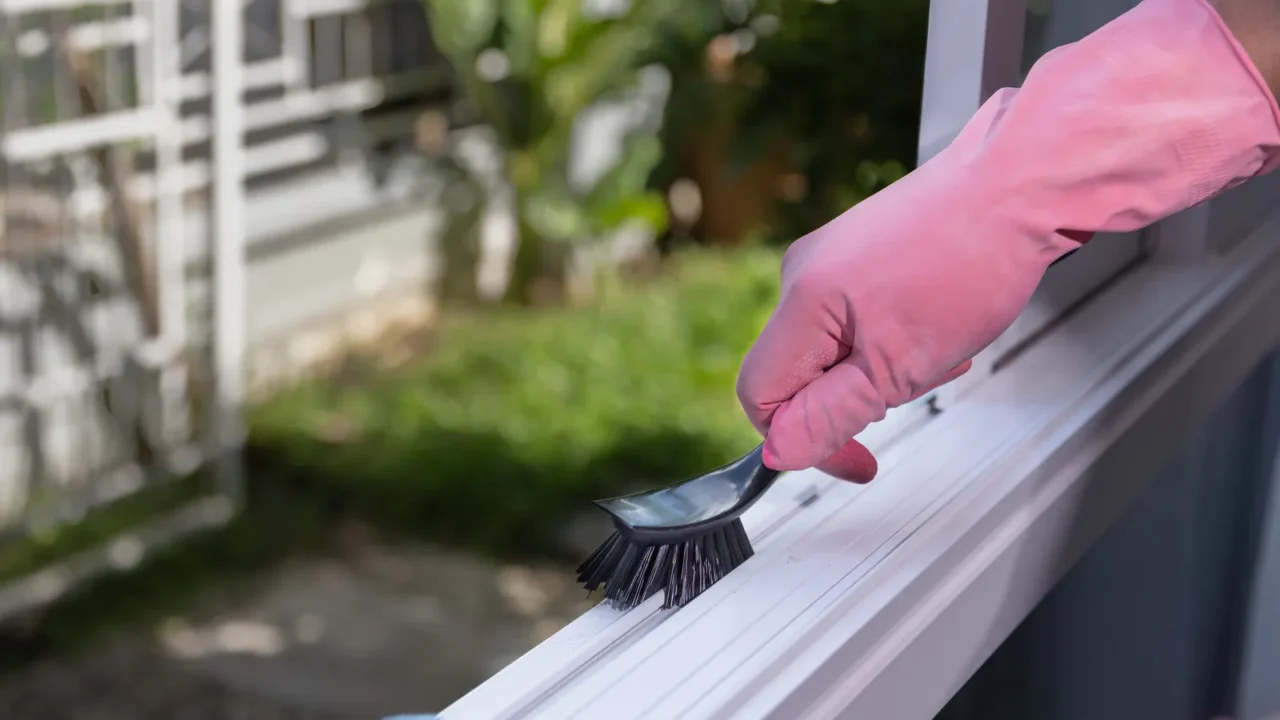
(1153, 113)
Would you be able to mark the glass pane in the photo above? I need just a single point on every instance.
(1051, 23)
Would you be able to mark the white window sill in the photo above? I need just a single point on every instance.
(879, 601)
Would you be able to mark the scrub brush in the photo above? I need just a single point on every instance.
(679, 539)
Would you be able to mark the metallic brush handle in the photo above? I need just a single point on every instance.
(693, 507)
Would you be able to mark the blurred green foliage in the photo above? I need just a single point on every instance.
(501, 430)
(835, 84)
(513, 420)
(838, 82)
(530, 68)
(510, 419)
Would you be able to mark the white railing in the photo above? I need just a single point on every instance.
(120, 122)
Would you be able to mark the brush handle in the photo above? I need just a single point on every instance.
(694, 507)
(753, 478)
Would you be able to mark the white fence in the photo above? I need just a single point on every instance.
(130, 131)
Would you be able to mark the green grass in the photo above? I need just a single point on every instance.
(276, 524)
(21, 557)
(507, 424)
(512, 421)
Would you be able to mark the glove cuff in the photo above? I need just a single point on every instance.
(1159, 110)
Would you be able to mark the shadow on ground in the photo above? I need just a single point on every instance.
(369, 632)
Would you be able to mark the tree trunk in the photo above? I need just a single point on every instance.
(734, 204)
(460, 242)
(538, 270)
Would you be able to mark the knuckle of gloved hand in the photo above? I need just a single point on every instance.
(780, 454)
(809, 287)
(751, 398)
(796, 442)
(743, 388)
(796, 252)
(791, 454)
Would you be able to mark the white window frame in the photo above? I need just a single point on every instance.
(880, 601)
(976, 47)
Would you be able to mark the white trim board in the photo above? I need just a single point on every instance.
(880, 601)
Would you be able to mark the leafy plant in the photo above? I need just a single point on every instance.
(530, 68)
(836, 82)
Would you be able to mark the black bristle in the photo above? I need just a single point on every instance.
(722, 553)
(624, 571)
(596, 570)
(657, 574)
(632, 573)
(739, 544)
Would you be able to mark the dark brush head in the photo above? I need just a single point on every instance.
(679, 539)
(631, 573)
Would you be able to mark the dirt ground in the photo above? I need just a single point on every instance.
(378, 632)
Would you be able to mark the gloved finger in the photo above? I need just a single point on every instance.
(791, 351)
(821, 417)
(852, 462)
(814, 426)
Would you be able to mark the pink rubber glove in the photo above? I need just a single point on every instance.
(1153, 113)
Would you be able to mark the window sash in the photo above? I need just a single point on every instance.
(975, 48)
